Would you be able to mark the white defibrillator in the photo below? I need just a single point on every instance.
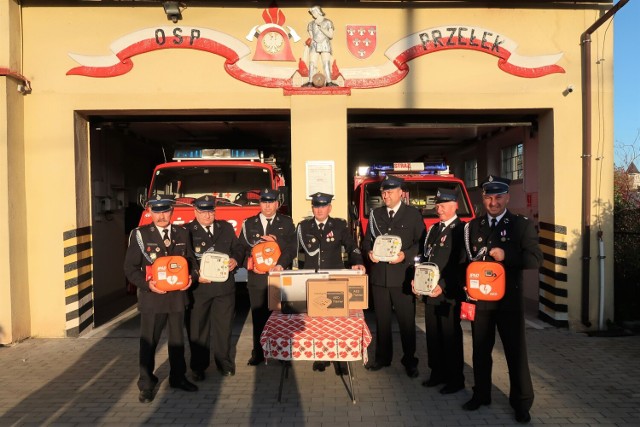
(214, 266)
(426, 278)
(387, 247)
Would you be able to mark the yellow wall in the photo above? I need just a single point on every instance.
(15, 322)
(182, 79)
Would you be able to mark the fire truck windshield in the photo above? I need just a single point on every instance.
(420, 194)
(237, 185)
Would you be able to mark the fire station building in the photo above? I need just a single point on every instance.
(94, 94)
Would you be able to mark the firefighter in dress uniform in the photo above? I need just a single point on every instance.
(212, 304)
(512, 240)
(321, 239)
(391, 281)
(268, 225)
(157, 307)
(444, 246)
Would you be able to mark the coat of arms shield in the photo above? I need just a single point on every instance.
(361, 40)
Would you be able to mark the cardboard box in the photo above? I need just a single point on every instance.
(287, 290)
(327, 297)
(358, 288)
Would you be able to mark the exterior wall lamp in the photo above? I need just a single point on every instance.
(173, 10)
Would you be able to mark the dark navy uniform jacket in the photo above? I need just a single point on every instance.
(324, 250)
(407, 223)
(517, 236)
(224, 240)
(446, 248)
(137, 259)
(284, 230)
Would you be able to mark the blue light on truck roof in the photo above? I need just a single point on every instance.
(380, 169)
(216, 154)
(187, 153)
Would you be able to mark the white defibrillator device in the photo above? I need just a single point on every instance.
(387, 247)
(425, 280)
(214, 266)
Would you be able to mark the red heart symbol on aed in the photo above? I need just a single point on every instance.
(319, 354)
(285, 354)
(332, 354)
(296, 354)
(355, 353)
(343, 354)
(308, 353)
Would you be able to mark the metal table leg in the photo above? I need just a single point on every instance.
(353, 390)
(283, 375)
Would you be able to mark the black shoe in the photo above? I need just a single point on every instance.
(375, 366)
(308, 84)
(145, 396)
(198, 376)
(320, 366)
(433, 381)
(183, 384)
(256, 358)
(227, 372)
(451, 388)
(412, 371)
(331, 84)
(475, 403)
(523, 417)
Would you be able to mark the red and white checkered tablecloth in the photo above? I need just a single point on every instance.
(300, 337)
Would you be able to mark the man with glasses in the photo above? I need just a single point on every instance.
(157, 307)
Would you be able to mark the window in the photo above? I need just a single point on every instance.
(471, 173)
(512, 162)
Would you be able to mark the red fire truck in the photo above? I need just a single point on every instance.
(234, 176)
(422, 179)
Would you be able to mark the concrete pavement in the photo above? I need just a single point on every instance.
(579, 381)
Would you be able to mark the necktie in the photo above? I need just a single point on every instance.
(267, 230)
(165, 237)
(442, 226)
(321, 227)
(210, 231)
(494, 222)
(391, 214)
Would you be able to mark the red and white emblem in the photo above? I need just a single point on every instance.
(361, 40)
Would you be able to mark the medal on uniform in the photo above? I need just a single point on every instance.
(503, 239)
(503, 233)
(167, 242)
(479, 239)
(148, 249)
(157, 249)
(313, 240)
(203, 243)
(197, 250)
(152, 256)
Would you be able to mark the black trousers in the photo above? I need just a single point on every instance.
(259, 301)
(510, 325)
(385, 300)
(211, 314)
(151, 326)
(444, 342)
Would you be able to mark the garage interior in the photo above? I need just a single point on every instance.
(125, 147)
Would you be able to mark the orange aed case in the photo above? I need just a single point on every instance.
(485, 280)
(171, 273)
(264, 255)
